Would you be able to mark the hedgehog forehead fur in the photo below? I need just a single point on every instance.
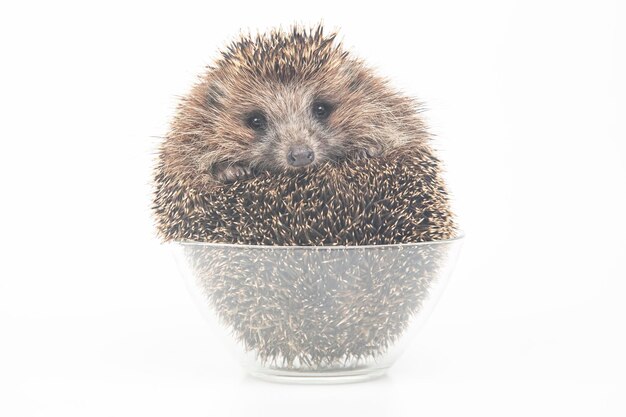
(279, 78)
(284, 56)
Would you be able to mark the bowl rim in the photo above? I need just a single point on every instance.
(459, 237)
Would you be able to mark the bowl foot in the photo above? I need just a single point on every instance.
(328, 377)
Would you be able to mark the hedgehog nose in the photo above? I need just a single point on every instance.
(300, 156)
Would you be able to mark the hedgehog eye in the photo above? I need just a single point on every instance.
(322, 109)
(256, 121)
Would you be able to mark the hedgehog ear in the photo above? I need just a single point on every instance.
(355, 83)
(214, 93)
(355, 78)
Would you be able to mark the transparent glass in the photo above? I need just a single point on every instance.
(317, 314)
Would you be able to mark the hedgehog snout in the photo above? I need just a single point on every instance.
(300, 155)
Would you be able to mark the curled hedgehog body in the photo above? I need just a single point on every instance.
(394, 199)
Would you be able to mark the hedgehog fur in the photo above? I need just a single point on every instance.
(397, 199)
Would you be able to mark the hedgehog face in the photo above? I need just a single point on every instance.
(277, 124)
(292, 133)
(286, 126)
(288, 101)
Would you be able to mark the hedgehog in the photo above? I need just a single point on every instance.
(287, 141)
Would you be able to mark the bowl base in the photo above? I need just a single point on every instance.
(330, 377)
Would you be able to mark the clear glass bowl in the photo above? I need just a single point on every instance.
(317, 314)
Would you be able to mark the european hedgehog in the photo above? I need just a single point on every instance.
(284, 101)
(289, 140)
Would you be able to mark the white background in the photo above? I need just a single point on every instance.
(527, 99)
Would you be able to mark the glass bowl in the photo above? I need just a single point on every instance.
(317, 314)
